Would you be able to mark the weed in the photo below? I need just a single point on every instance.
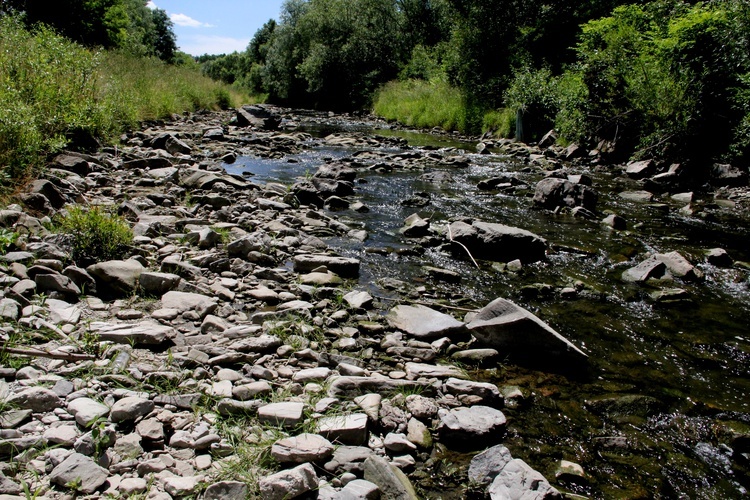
(7, 238)
(97, 235)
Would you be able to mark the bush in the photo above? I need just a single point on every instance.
(96, 235)
(423, 104)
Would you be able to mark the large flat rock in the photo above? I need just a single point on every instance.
(146, 332)
(343, 266)
(423, 322)
(513, 330)
(497, 242)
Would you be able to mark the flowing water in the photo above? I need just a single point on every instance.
(686, 363)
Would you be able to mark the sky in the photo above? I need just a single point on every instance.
(217, 26)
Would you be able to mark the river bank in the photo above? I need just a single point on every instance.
(280, 286)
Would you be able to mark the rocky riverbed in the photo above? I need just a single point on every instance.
(267, 339)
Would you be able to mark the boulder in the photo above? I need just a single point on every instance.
(290, 483)
(551, 193)
(518, 480)
(513, 330)
(640, 169)
(497, 242)
(393, 484)
(424, 323)
(79, 470)
(486, 466)
(471, 427)
(257, 116)
(116, 277)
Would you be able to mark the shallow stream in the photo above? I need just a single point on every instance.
(687, 363)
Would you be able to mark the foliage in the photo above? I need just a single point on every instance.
(128, 25)
(7, 238)
(420, 103)
(96, 235)
(665, 80)
(54, 91)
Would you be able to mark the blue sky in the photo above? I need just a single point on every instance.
(217, 26)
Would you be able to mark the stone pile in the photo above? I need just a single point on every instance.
(222, 357)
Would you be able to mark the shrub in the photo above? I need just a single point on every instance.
(96, 235)
(421, 103)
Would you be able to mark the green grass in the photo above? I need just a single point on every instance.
(96, 234)
(420, 103)
(53, 92)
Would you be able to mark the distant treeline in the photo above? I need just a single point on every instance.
(667, 79)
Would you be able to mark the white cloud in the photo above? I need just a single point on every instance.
(197, 45)
(187, 21)
(151, 5)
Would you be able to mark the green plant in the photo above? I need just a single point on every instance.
(96, 234)
(7, 238)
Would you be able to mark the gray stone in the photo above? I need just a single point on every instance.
(473, 356)
(421, 407)
(471, 426)
(424, 323)
(417, 370)
(679, 266)
(46, 283)
(637, 196)
(650, 268)
(64, 435)
(182, 486)
(518, 480)
(80, 470)
(185, 301)
(116, 277)
(510, 329)
(415, 227)
(226, 490)
(719, 257)
(302, 448)
(488, 393)
(359, 489)
(551, 193)
(8, 488)
(130, 408)
(346, 429)
(497, 242)
(418, 433)
(357, 386)
(393, 484)
(153, 283)
(641, 169)
(397, 442)
(150, 429)
(145, 332)
(9, 309)
(130, 486)
(343, 266)
(358, 300)
(289, 483)
(486, 466)
(86, 410)
(348, 459)
(36, 399)
(285, 414)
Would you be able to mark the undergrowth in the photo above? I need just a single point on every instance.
(96, 235)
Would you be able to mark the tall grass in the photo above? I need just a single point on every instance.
(420, 103)
(52, 90)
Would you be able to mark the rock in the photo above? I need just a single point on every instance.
(418, 433)
(624, 406)
(497, 242)
(471, 426)
(358, 299)
(71, 163)
(421, 407)
(347, 429)
(417, 370)
(719, 257)
(9, 309)
(475, 356)
(157, 284)
(615, 222)
(226, 490)
(679, 266)
(63, 435)
(638, 196)
(510, 329)
(182, 486)
(145, 332)
(393, 484)
(415, 227)
(518, 480)
(131, 486)
(302, 448)
(640, 169)
(552, 192)
(356, 386)
(486, 466)
(424, 323)
(130, 408)
(286, 414)
(257, 116)
(116, 277)
(396, 442)
(87, 411)
(46, 283)
(289, 483)
(186, 301)
(343, 266)
(488, 393)
(37, 399)
(652, 267)
(359, 489)
(728, 175)
(81, 471)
